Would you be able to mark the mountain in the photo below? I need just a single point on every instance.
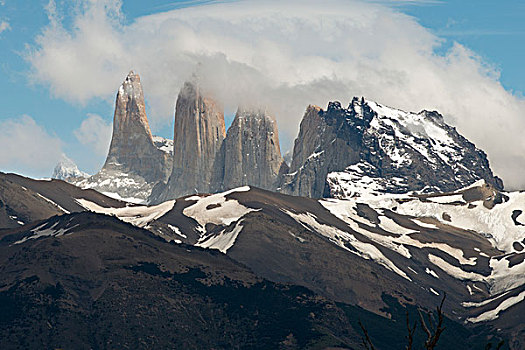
(136, 159)
(201, 158)
(342, 152)
(381, 253)
(66, 169)
(87, 280)
(338, 153)
(250, 153)
(380, 215)
(468, 244)
(198, 136)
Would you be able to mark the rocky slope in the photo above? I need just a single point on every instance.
(136, 159)
(198, 136)
(86, 280)
(469, 244)
(369, 251)
(31, 196)
(250, 153)
(20, 205)
(342, 152)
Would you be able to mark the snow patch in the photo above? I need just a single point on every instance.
(133, 200)
(494, 314)
(431, 273)
(56, 205)
(341, 238)
(216, 209)
(455, 271)
(223, 241)
(39, 232)
(136, 215)
(177, 231)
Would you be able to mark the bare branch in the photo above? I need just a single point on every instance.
(434, 334)
(411, 332)
(424, 325)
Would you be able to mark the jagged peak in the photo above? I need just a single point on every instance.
(131, 86)
(66, 168)
(313, 108)
(361, 105)
(334, 105)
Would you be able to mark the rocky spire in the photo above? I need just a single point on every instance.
(199, 133)
(132, 148)
(308, 140)
(250, 154)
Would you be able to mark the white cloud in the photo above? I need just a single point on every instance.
(95, 133)
(26, 147)
(4, 26)
(286, 55)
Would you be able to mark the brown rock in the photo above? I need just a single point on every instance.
(199, 132)
(251, 154)
(136, 160)
(132, 148)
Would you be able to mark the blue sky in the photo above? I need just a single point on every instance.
(494, 30)
(494, 34)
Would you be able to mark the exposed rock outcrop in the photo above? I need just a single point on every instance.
(199, 133)
(250, 153)
(368, 147)
(136, 160)
(132, 148)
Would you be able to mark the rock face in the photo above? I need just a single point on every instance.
(136, 160)
(368, 147)
(199, 133)
(132, 148)
(250, 154)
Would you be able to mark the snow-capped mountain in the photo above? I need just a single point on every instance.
(469, 244)
(67, 169)
(338, 153)
(342, 152)
(376, 205)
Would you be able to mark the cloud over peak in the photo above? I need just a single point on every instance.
(284, 55)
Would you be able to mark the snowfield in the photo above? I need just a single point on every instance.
(496, 225)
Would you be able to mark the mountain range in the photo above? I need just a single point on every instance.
(379, 214)
(338, 153)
